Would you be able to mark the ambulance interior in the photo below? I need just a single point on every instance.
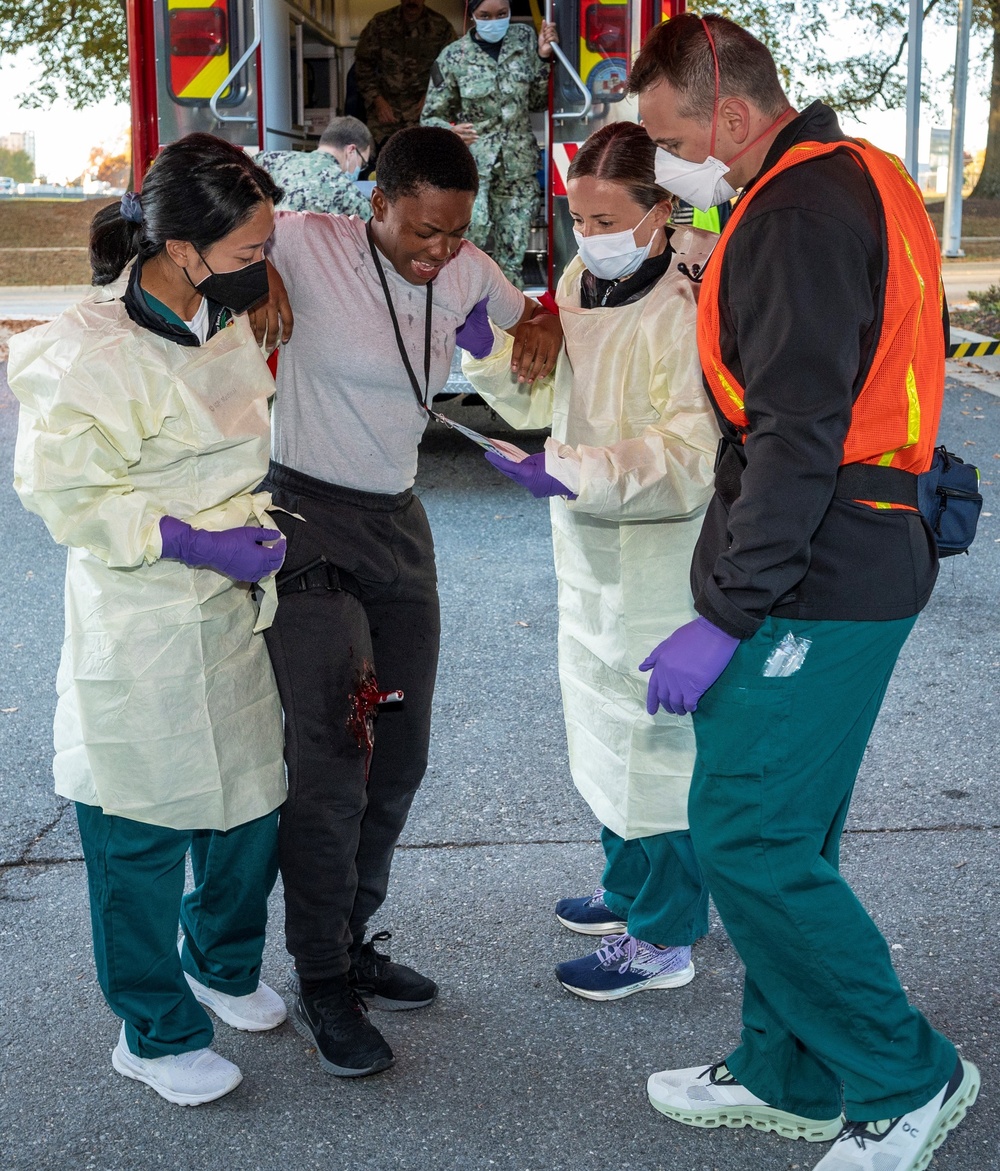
(270, 74)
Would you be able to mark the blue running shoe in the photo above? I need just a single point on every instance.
(589, 915)
(624, 965)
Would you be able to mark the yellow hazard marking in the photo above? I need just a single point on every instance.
(973, 349)
(207, 80)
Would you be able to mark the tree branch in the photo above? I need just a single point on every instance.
(862, 101)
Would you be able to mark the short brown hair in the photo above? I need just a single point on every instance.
(346, 131)
(622, 153)
(678, 51)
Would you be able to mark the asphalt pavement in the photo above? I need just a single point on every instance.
(506, 1070)
(963, 277)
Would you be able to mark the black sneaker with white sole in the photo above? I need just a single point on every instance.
(389, 986)
(336, 1020)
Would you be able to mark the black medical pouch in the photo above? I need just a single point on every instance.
(948, 497)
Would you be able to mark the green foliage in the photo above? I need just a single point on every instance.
(792, 31)
(874, 77)
(79, 45)
(988, 300)
(17, 165)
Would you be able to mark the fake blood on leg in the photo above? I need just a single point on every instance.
(364, 706)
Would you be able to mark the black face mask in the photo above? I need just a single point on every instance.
(237, 290)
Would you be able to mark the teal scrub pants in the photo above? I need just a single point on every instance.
(135, 874)
(777, 761)
(655, 886)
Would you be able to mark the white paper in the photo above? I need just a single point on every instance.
(498, 446)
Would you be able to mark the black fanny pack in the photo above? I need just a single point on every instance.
(947, 495)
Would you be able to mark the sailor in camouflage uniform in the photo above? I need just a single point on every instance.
(393, 60)
(484, 87)
(324, 179)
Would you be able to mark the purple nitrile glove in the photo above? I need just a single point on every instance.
(237, 553)
(475, 334)
(530, 473)
(685, 666)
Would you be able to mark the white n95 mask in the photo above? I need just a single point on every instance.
(703, 185)
(613, 255)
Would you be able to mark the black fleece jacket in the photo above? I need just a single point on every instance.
(801, 296)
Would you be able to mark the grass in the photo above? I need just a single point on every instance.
(985, 318)
(35, 223)
(44, 268)
(980, 217)
(32, 223)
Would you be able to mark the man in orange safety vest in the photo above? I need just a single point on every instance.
(822, 348)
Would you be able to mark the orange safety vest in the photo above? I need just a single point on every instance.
(895, 415)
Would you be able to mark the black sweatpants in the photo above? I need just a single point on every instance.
(338, 830)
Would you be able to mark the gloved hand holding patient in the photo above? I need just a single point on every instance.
(530, 473)
(237, 553)
(475, 334)
(685, 666)
(537, 339)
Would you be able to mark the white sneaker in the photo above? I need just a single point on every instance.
(709, 1095)
(257, 1012)
(186, 1079)
(906, 1143)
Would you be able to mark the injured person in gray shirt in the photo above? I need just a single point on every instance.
(377, 310)
(345, 411)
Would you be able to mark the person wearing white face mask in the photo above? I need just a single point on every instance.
(822, 348)
(484, 87)
(629, 469)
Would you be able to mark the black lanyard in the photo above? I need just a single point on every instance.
(424, 401)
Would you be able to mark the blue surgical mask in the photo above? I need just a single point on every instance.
(353, 175)
(492, 30)
(613, 255)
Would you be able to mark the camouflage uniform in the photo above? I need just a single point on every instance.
(497, 97)
(313, 181)
(393, 60)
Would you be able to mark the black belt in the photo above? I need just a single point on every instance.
(317, 575)
(871, 482)
(854, 481)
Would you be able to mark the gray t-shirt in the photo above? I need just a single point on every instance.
(345, 411)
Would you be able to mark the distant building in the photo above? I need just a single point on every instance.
(19, 140)
(937, 178)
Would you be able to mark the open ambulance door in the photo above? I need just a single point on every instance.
(269, 74)
(262, 74)
(598, 40)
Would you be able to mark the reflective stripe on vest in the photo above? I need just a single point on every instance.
(895, 414)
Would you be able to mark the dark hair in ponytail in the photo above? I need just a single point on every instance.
(197, 189)
(621, 153)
